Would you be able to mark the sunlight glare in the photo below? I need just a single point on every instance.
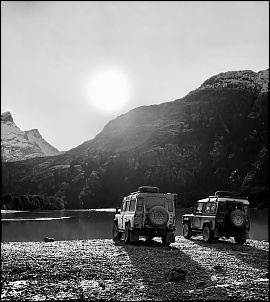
(109, 89)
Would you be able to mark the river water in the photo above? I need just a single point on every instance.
(89, 224)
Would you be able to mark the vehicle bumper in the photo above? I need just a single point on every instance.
(153, 232)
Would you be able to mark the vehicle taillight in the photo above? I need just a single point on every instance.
(220, 220)
(171, 227)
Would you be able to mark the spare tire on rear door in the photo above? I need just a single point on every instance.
(238, 219)
(158, 216)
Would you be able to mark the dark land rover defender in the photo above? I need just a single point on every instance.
(221, 215)
(146, 213)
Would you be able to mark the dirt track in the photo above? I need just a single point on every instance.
(108, 270)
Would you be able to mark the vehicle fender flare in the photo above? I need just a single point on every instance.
(210, 223)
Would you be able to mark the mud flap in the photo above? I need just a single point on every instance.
(217, 233)
(245, 235)
(170, 238)
(134, 236)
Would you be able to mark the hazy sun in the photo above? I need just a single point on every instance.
(109, 89)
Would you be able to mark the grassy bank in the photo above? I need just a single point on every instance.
(108, 270)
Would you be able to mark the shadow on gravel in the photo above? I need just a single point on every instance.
(249, 254)
(152, 260)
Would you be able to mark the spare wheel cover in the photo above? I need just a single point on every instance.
(238, 219)
(158, 216)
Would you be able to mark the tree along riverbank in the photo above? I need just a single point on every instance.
(110, 270)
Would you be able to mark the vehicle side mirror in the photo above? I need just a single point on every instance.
(117, 210)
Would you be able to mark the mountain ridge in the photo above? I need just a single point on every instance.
(214, 138)
(18, 145)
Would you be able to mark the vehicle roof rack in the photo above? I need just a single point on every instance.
(223, 193)
(227, 194)
(148, 189)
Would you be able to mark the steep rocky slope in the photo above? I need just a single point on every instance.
(216, 137)
(19, 145)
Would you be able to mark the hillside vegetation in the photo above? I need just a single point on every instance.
(214, 138)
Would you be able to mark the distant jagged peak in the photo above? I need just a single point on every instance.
(19, 145)
(7, 123)
(6, 117)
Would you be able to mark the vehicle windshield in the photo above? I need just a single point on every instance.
(210, 207)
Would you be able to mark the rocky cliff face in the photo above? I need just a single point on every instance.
(215, 138)
(19, 145)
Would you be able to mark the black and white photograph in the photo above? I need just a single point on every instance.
(134, 150)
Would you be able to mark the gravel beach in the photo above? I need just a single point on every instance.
(110, 270)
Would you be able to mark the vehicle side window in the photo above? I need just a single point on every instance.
(139, 205)
(123, 206)
(199, 207)
(246, 209)
(221, 207)
(132, 205)
(127, 205)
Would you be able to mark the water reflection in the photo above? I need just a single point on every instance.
(89, 224)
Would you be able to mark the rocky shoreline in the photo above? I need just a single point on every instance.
(109, 270)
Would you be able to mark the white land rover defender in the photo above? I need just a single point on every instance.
(146, 213)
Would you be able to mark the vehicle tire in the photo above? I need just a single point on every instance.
(238, 219)
(158, 216)
(116, 233)
(164, 242)
(208, 234)
(186, 230)
(239, 240)
(127, 234)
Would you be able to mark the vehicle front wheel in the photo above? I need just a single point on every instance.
(208, 234)
(127, 235)
(239, 240)
(116, 233)
(186, 231)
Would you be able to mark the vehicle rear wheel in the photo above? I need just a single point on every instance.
(116, 233)
(208, 234)
(186, 231)
(239, 240)
(127, 235)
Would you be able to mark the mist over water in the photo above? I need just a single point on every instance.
(90, 224)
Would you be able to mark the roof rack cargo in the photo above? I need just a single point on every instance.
(223, 193)
(148, 189)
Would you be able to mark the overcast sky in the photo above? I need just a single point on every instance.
(52, 50)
